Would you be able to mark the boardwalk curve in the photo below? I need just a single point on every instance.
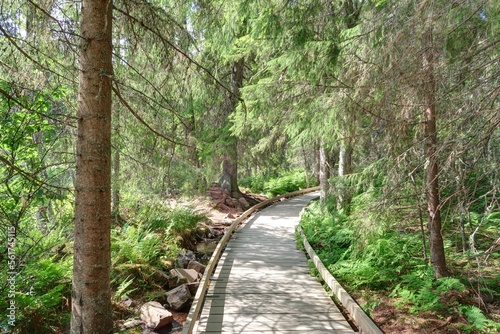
(262, 282)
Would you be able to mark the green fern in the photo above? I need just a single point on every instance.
(478, 320)
(123, 288)
(135, 245)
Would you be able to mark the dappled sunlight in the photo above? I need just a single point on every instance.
(262, 282)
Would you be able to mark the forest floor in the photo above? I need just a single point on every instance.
(392, 319)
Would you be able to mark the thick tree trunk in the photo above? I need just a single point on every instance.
(91, 294)
(437, 254)
(229, 177)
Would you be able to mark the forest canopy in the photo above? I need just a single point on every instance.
(391, 106)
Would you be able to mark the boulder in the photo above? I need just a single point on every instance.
(179, 298)
(196, 266)
(155, 316)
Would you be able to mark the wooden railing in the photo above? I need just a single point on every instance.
(364, 322)
(196, 307)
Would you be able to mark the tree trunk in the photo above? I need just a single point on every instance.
(324, 173)
(116, 169)
(345, 166)
(437, 255)
(306, 163)
(91, 294)
(229, 177)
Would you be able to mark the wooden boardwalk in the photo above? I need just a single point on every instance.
(262, 282)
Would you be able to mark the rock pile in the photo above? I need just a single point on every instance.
(181, 285)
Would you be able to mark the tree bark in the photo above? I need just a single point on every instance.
(91, 294)
(437, 254)
(116, 169)
(345, 166)
(324, 173)
(229, 177)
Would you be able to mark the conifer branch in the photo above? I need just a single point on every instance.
(180, 51)
(116, 90)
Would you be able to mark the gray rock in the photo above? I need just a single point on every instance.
(179, 298)
(244, 203)
(155, 316)
(175, 279)
(184, 257)
(126, 301)
(196, 266)
(190, 275)
(193, 287)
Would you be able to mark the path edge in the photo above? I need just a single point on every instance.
(363, 320)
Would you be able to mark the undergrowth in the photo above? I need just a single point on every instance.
(282, 183)
(375, 252)
(149, 240)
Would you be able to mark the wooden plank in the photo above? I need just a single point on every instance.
(270, 283)
(271, 309)
(244, 279)
(284, 299)
(274, 317)
(273, 331)
(280, 304)
(306, 326)
(237, 322)
(276, 288)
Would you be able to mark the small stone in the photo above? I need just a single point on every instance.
(179, 298)
(155, 316)
(126, 301)
(131, 323)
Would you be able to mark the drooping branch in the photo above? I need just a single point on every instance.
(29, 176)
(116, 90)
(25, 54)
(153, 86)
(180, 51)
